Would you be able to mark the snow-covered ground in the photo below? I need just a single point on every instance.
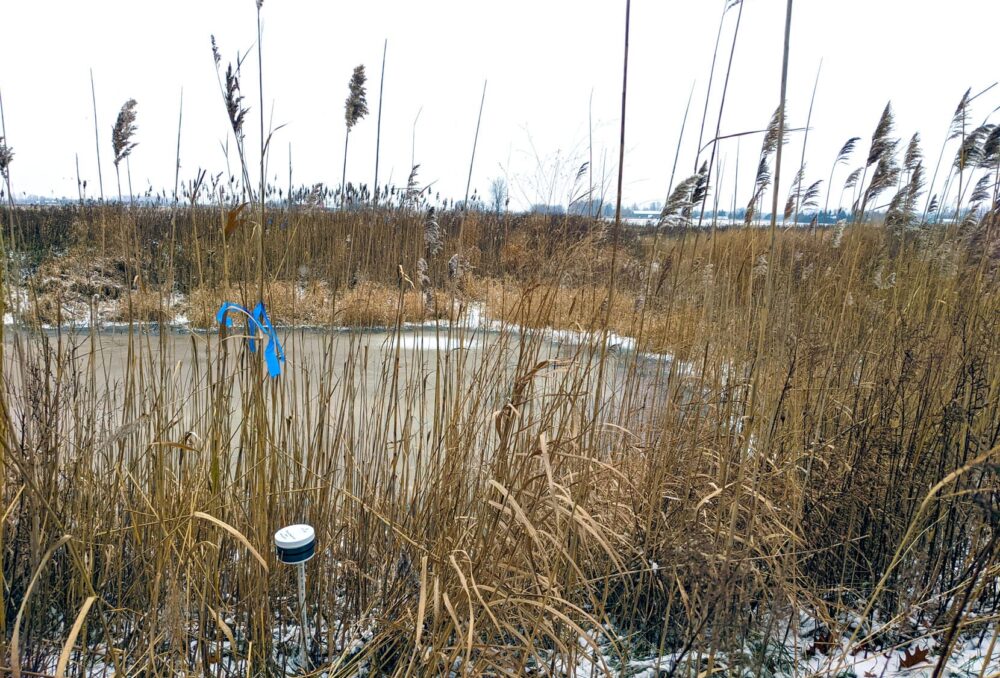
(803, 652)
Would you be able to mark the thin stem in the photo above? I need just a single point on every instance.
(472, 161)
(378, 126)
(260, 230)
(177, 181)
(128, 172)
(680, 139)
(805, 144)
(617, 226)
(829, 186)
(343, 176)
(781, 131)
(97, 136)
(413, 139)
(711, 78)
(590, 155)
(718, 122)
(79, 186)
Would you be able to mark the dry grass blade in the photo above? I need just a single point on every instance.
(518, 512)
(15, 656)
(472, 617)
(71, 639)
(236, 533)
(226, 631)
(422, 603)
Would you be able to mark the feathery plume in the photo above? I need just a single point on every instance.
(852, 179)
(410, 197)
(771, 134)
(913, 157)
(902, 210)
(682, 200)
(234, 101)
(880, 138)
(677, 202)
(846, 150)
(700, 191)
(6, 156)
(960, 121)
(123, 131)
(792, 192)
(356, 106)
(808, 199)
(991, 150)
(971, 152)
(838, 236)
(885, 175)
(770, 145)
(422, 272)
(432, 234)
(231, 94)
(760, 267)
(457, 265)
(981, 193)
(425, 282)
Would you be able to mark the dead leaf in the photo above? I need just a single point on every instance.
(233, 218)
(910, 660)
(823, 644)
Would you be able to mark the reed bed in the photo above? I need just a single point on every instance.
(484, 508)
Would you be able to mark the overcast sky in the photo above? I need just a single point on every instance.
(543, 59)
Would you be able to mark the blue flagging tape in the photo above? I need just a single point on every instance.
(256, 320)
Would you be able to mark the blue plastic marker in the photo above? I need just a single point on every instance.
(256, 320)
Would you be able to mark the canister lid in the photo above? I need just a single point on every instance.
(294, 537)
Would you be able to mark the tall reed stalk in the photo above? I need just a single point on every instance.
(378, 127)
(355, 108)
(97, 137)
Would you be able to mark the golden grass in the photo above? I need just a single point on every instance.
(484, 505)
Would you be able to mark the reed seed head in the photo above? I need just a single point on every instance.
(356, 106)
(913, 156)
(457, 266)
(960, 120)
(852, 179)
(234, 101)
(123, 132)
(6, 156)
(432, 234)
(846, 150)
(881, 141)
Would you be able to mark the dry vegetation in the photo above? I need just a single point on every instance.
(783, 461)
(788, 446)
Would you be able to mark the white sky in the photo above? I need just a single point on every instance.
(542, 58)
